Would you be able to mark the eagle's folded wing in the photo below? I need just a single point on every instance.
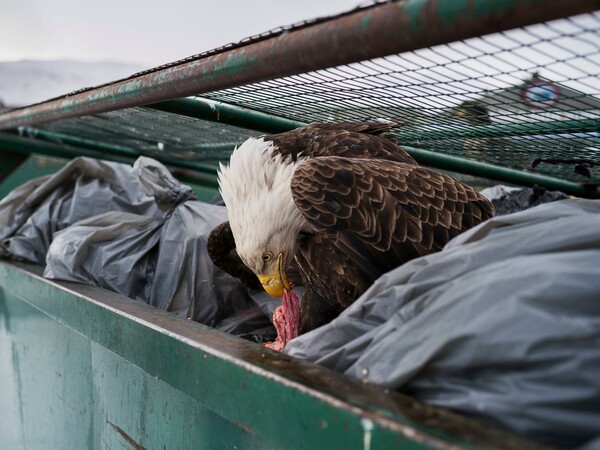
(385, 212)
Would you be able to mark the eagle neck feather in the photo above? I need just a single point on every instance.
(256, 187)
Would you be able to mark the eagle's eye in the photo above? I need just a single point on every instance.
(267, 257)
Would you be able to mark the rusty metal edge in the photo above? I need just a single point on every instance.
(381, 30)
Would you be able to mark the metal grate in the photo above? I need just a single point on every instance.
(508, 99)
(148, 132)
(527, 99)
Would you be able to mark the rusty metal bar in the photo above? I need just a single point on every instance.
(380, 30)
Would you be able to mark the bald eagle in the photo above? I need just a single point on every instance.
(342, 204)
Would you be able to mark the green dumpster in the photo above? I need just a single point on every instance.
(82, 367)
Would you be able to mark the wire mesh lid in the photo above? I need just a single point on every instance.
(526, 99)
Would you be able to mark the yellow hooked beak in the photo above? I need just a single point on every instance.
(276, 283)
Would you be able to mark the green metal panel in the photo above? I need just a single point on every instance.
(41, 409)
(465, 166)
(71, 147)
(9, 162)
(201, 177)
(63, 391)
(40, 165)
(35, 166)
(84, 368)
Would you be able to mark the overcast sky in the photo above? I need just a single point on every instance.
(142, 32)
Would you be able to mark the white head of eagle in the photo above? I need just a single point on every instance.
(264, 219)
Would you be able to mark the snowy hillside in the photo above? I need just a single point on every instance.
(26, 82)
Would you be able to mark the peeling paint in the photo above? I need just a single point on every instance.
(367, 426)
(363, 24)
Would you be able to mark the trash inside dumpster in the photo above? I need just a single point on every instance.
(480, 327)
(413, 316)
(506, 333)
(119, 227)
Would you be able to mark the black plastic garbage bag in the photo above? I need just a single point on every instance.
(508, 200)
(503, 324)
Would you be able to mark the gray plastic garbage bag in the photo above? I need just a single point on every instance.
(132, 230)
(85, 187)
(503, 325)
(161, 261)
(186, 281)
(115, 250)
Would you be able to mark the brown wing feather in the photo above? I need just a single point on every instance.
(383, 212)
(374, 128)
(332, 280)
(350, 140)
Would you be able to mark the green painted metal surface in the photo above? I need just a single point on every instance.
(84, 368)
(59, 144)
(548, 128)
(15, 143)
(214, 111)
(462, 165)
(10, 162)
(35, 166)
(203, 174)
(61, 390)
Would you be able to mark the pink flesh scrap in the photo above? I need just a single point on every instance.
(286, 320)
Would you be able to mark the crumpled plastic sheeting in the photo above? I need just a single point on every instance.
(186, 280)
(162, 261)
(85, 187)
(132, 230)
(507, 199)
(503, 324)
(114, 250)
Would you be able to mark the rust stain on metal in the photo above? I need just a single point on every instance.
(245, 428)
(380, 30)
(125, 436)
